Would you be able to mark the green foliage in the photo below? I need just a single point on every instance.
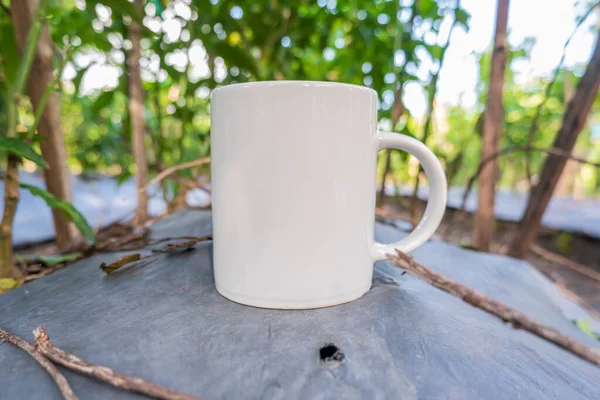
(21, 148)
(9, 53)
(379, 44)
(68, 210)
(58, 259)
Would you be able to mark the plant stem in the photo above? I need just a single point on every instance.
(11, 180)
(31, 43)
(11, 194)
(45, 97)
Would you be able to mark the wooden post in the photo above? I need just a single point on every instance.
(136, 112)
(492, 129)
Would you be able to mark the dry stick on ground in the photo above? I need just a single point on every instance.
(190, 241)
(175, 168)
(538, 112)
(105, 374)
(58, 378)
(517, 319)
(556, 152)
(565, 262)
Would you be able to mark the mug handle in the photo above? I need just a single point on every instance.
(438, 192)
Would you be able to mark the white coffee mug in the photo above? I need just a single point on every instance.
(293, 187)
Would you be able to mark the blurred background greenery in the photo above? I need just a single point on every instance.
(189, 47)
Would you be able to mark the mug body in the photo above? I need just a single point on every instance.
(293, 175)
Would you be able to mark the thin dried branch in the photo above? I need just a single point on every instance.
(538, 112)
(58, 378)
(557, 152)
(565, 262)
(105, 374)
(128, 259)
(118, 243)
(175, 168)
(190, 242)
(507, 314)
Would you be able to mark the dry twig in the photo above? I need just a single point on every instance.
(105, 374)
(556, 152)
(190, 241)
(175, 168)
(565, 262)
(58, 378)
(128, 259)
(517, 319)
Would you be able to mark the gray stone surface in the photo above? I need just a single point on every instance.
(162, 319)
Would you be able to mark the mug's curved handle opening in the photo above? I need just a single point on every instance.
(438, 192)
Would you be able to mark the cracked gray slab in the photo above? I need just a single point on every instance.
(162, 319)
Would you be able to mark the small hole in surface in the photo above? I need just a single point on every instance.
(330, 352)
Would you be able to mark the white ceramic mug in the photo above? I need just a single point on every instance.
(293, 175)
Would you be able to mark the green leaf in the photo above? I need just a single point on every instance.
(22, 149)
(584, 326)
(462, 17)
(68, 210)
(59, 259)
(8, 49)
(7, 284)
(435, 51)
(79, 77)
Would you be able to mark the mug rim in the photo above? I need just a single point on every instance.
(272, 83)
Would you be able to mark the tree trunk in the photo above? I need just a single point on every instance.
(386, 170)
(573, 123)
(492, 129)
(136, 112)
(566, 182)
(57, 177)
(397, 111)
